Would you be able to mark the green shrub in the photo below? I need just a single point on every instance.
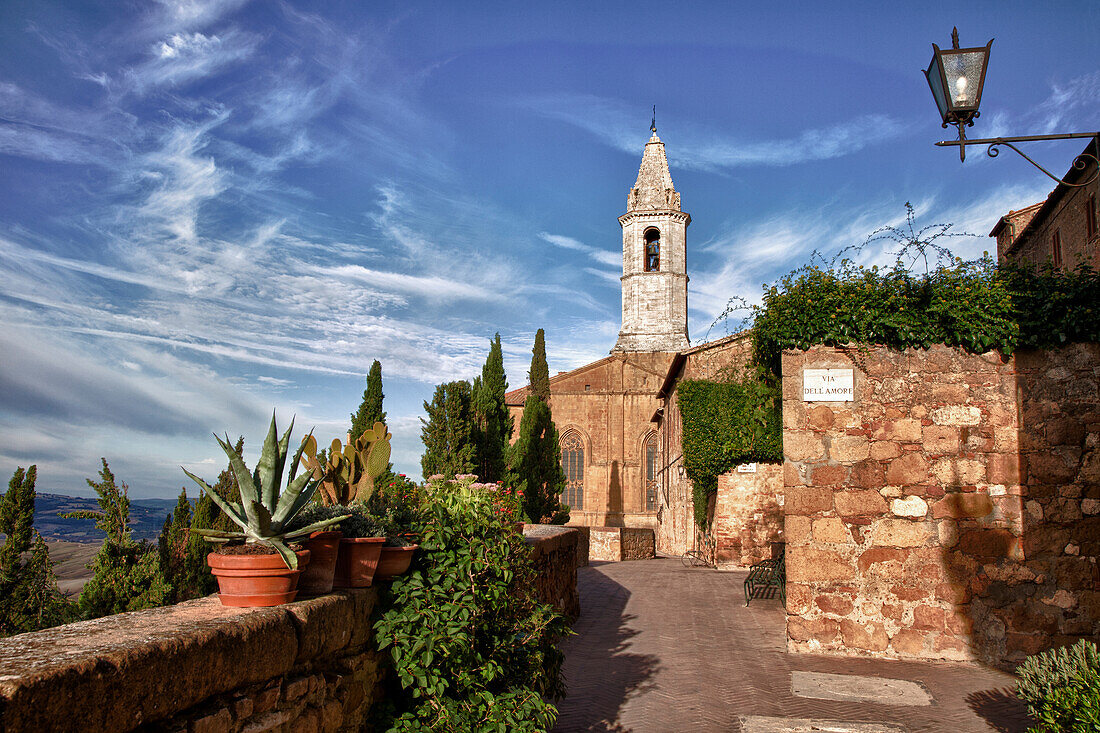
(977, 306)
(471, 646)
(1062, 689)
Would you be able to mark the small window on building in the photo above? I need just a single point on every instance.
(652, 250)
(1056, 248)
(1090, 216)
(651, 473)
(572, 463)
(588, 388)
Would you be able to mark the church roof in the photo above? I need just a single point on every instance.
(653, 189)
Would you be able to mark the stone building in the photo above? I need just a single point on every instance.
(603, 409)
(1063, 229)
(746, 512)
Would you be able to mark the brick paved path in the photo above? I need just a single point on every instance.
(660, 647)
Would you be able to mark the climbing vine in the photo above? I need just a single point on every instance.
(724, 424)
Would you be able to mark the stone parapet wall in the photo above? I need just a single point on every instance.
(554, 552)
(613, 544)
(950, 511)
(748, 515)
(197, 666)
(203, 667)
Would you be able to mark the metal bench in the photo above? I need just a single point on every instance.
(767, 574)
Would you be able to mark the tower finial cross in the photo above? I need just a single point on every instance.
(653, 123)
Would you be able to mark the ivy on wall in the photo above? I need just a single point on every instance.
(724, 424)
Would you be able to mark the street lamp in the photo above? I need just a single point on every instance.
(956, 77)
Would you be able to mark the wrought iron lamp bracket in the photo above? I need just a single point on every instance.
(993, 144)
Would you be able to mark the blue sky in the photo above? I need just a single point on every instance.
(209, 209)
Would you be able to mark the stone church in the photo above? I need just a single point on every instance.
(604, 410)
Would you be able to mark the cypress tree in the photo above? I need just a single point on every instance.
(29, 597)
(539, 376)
(449, 434)
(126, 575)
(172, 547)
(370, 409)
(113, 516)
(495, 423)
(534, 461)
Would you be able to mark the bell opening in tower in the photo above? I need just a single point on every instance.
(652, 249)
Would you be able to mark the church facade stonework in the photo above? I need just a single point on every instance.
(603, 410)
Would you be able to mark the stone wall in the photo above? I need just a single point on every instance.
(554, 552)
(197, 666)
(949, 512)
(613, 544)
(748, 514)
(203, 667)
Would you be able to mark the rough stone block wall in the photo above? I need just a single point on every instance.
(636, 543)
(604, 544)
(197, 666)
(613, 544)
(748, 515)
(203, 667)
(554, 552)
(939, 515)
(582, 545)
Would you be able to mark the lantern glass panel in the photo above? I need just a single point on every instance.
(964, 77)
(935, 81)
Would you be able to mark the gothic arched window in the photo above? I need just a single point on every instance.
(651, 473)
(572, 462)
(652, 250)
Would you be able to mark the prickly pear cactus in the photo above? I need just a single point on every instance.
(349, 471)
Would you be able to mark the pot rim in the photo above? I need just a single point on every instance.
(273, 561)
(363, 539)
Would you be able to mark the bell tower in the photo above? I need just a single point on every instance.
(654, 277)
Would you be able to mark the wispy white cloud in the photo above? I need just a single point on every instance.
(184, 57)
(615, 123)
(431, 287)
(604, 257)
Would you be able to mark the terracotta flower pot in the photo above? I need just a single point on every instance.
(394, 561)
(255, 580)
(317, 577)
(356, 562)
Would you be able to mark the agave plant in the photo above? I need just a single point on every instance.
(266, 509)
(349, 472)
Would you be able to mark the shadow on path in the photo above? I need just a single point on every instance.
(601, 673)
(1001, 709)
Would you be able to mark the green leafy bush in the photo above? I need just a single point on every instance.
(724, 424)
(1062, 689)
(471, 646)
(977, 306)
(396, 506)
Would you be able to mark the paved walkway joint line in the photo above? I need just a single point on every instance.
(764, 724)
(822, 686)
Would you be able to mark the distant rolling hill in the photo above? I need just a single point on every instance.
(146, 518)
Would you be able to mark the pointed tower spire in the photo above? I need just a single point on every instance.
(653, 189)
